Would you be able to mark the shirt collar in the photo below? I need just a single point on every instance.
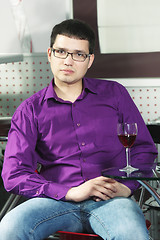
(50, 93)
(87, 84)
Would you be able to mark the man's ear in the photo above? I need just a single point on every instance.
(49, 51)
(91, 59)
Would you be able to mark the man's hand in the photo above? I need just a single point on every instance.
(100, 188)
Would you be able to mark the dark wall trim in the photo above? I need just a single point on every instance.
(130, 65)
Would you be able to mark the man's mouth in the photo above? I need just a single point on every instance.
(67, 71)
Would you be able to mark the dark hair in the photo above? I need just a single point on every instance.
(76, 29)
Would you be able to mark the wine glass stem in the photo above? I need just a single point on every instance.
(128, 156)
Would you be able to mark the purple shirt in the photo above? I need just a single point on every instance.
(73, 142)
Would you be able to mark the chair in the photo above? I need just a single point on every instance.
(5, 123)
(154, 130)
(64, 235)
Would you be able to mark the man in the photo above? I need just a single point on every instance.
(69, 130)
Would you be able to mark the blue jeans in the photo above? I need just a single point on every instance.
(37, 218)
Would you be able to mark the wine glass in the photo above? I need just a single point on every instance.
(127, 133)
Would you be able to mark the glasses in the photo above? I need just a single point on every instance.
(79, 57)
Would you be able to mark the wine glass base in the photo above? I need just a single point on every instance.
(128, 169)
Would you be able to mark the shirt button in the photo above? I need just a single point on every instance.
(83, 143)
(78, 124)
(37, 192)
(84, 160)
(55, 195)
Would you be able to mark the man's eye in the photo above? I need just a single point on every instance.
(80, 54)
(60, 51)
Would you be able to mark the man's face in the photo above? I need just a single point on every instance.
(67, 70)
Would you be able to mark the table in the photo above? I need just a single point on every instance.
(146, 172)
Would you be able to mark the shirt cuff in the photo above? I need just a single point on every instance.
(55, 191)
(132, 185)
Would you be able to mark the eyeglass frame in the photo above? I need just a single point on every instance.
(67, 53)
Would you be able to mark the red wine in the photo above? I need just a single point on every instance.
(127, 140)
